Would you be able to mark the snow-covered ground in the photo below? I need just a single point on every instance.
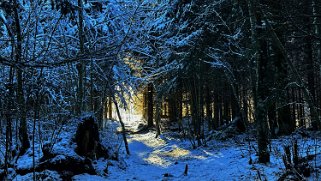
(168, 156)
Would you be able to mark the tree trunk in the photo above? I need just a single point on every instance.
(285, 122)
(180, 109)
(316, 8)
(8, 115)
(158, 115)
(23, 132)
(172, 107)
(301, 115)
(122, 126)
(227, 113)
(262, 94)
(80, 65)
(308, 52)
(261, 110)
(145, 91)
(93, 105)
(235, 104)
(286, 125)
(217, 111)
(196, 110)
(35, 119)
(110, 107)
(150, 105)
(208, 101)
(7, 157)
(274, 128)
(245, 110)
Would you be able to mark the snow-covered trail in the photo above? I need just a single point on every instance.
(165, 158)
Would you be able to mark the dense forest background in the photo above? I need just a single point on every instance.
(213, 61)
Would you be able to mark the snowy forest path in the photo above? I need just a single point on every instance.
(165, 158)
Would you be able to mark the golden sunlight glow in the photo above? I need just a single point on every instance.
(176, 152)
(157, 160)
(160, 154)
(151, 142)
(165, 158)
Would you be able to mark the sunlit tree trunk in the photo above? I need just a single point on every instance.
(158, 115)
(150, 104)
(145, 90)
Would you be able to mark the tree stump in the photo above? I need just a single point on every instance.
(87, 139)
(67, 166)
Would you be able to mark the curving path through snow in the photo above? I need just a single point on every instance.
(165, 158)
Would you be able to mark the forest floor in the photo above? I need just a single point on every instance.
(166, 158)
(170, 155)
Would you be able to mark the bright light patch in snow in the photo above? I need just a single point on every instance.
(176, 152)
(157, 160)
